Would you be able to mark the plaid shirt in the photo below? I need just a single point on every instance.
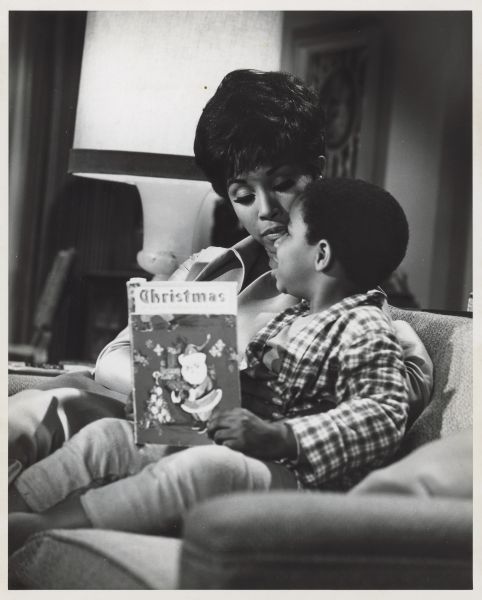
(339, 384)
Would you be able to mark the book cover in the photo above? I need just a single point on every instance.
(183, 356)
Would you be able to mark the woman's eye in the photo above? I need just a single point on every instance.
(244, 199)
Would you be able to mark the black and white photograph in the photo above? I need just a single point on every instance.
(321, 161)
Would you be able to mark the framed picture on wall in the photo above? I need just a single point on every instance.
(344, 69)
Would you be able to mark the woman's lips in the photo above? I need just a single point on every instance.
(273, 233)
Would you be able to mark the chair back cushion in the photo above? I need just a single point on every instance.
(448, 340)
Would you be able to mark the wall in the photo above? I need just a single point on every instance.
(424, 141)
(428, 161)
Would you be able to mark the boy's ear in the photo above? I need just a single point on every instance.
(324, 255)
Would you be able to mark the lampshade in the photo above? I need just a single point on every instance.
(145, 79)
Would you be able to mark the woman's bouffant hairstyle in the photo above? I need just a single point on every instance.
(255, 119)
(365, 225)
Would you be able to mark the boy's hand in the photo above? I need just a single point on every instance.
(240, 429)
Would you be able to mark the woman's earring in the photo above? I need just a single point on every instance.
(322, 165)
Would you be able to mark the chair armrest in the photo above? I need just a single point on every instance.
(293, 540)
(18, 383)
(95, 559)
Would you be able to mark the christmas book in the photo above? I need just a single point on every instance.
(183, 356)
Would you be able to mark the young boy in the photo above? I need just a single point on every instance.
(327, 371)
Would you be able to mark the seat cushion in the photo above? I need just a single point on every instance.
(442, 468)
(95, 559)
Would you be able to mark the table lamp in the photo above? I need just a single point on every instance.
(145, 79)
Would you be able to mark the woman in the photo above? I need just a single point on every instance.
(259, 141)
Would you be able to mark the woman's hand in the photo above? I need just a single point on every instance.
(240, 429)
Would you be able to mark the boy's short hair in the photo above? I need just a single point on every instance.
(365, 225)
(255, 119)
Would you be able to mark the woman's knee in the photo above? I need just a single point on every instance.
(104, 432)
(221, 468)
(106, 441)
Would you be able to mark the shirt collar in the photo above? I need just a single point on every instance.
(375, 297)
(243, 255)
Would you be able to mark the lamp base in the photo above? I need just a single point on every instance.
(162, 263)
(171, 211)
